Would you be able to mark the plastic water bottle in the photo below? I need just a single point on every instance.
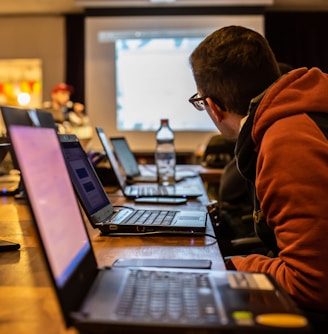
(165, 156)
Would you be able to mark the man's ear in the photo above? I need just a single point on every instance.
(217, 112)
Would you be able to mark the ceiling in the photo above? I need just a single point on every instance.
(68, 6)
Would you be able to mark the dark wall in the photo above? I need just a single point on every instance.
(75, 55)
(299, 38)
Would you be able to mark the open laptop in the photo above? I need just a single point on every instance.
(111, 220)
(135, 173)
(181, 189)
(20, 116)
(135, 299)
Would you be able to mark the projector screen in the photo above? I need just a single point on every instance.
(137, 72)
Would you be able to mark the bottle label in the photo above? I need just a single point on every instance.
(165, 163)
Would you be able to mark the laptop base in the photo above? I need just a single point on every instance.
(219, 302)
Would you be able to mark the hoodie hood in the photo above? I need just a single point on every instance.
(299, 91)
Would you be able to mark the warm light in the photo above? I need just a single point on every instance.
(21, 82)
(23, 99)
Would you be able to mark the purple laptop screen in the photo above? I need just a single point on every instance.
(52, 198)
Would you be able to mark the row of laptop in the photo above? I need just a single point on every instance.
(93, 197)
(132, 171)
(54, 170)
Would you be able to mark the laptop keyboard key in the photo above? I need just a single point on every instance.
(167, 295)
(151, 217)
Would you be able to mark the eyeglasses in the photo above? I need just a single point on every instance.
(199, 102)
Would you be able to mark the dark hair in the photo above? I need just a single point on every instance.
(233, 65)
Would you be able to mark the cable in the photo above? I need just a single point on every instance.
(163, 233)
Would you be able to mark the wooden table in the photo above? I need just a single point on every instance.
(27, 300)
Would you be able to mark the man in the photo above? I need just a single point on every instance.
(280, 125)
(60, 102)
(60, 106)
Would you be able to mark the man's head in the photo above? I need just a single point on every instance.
(60, 94)
(233, 65)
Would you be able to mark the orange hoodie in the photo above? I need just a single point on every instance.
(292, 185)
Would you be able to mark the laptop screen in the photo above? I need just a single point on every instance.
(110, 155)
(52, 199)
(90, 190)
(125, 156)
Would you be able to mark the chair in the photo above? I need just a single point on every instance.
(219, 151)
(225, 224)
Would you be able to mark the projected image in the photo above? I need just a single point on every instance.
(153, 81)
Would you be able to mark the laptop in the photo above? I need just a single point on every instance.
(143, 300)
(31, 117)
(182, 189)
(19, 116)
(135, 173)
(112, 220)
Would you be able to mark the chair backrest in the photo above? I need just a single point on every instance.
(219, 151)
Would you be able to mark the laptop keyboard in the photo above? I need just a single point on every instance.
(167, 296)
(151, 217)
